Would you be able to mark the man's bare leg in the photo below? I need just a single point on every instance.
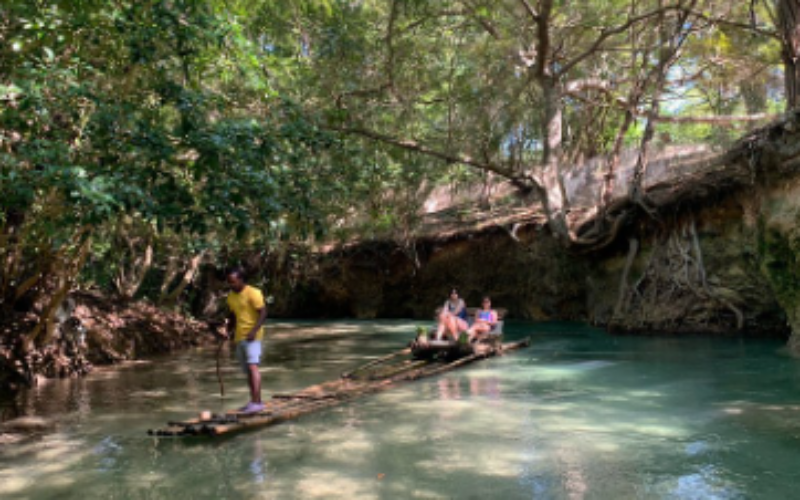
(254, 381)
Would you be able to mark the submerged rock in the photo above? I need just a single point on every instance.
(8, 438)
(23, 425)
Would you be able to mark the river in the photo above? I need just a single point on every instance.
(579, 414)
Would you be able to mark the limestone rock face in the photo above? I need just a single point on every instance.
(731, 267)
(780, 250)
(720, 256)
(530, 275)
(700, 272)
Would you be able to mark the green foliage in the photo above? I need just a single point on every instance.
(214, 123)
(161, 111)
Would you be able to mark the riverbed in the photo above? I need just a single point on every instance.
(579, 414)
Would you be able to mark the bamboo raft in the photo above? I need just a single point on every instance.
(378, 375)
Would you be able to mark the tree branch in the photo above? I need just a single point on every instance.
(584, 84)
(543, 33)
(575, 87)
(389, 40)
(518, 179)
(489, 27)
(419, 22)
(733, 24)
(605, 34)
(717, 120)
(530, 10)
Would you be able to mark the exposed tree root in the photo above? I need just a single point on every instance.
(673, 293)
(633, 251)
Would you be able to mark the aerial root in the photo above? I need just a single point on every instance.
(673, 291)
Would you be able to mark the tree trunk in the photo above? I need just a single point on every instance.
(607, 189)
(135, 239)
(554, 197)
(128, 281)
(11, 243)
(754, 92)
(66, 276)
(789, 27)
(170, 273)
(188, 277)
(671, 44)
(634, 98)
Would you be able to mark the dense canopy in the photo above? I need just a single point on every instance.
(140, 140)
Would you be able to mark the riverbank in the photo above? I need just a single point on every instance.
(93, 330)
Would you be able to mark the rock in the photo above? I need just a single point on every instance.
(779, 250)
(8, 438)
(30, 424)
(747, 245)
(531, 276)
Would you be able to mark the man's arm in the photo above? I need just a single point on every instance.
(262, 317)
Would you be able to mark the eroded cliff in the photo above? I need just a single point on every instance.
(718, 253)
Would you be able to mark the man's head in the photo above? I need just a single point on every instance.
(236, 279)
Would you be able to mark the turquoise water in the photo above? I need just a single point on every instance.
(579, 414)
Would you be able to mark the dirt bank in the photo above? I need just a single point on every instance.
(93, 330)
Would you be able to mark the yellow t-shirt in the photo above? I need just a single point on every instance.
(245, 305)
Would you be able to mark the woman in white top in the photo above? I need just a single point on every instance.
(452, 319)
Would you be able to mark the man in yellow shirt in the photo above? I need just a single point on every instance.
(248, 313)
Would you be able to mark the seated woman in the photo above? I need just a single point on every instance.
(452, 319)
(455, 305)
(485, 320)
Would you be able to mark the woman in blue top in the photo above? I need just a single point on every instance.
(485, 320)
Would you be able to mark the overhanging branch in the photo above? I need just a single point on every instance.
(577, 87)
(521, 181)
(751, 27)
(605, 34)
(717, 120)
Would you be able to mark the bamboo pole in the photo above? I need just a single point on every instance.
(391, 373)
(349, 374)
(219, 372)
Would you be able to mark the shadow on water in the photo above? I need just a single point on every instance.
(580, 414)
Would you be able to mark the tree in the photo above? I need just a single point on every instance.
(526, 89)
(788, 21)
(143, 123)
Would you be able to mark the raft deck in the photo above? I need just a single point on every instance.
(376, 376)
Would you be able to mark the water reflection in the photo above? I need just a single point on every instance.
(578, 415)
(258, 465)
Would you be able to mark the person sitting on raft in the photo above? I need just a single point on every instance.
(485, 320)
(455, 305)
(452, 319)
